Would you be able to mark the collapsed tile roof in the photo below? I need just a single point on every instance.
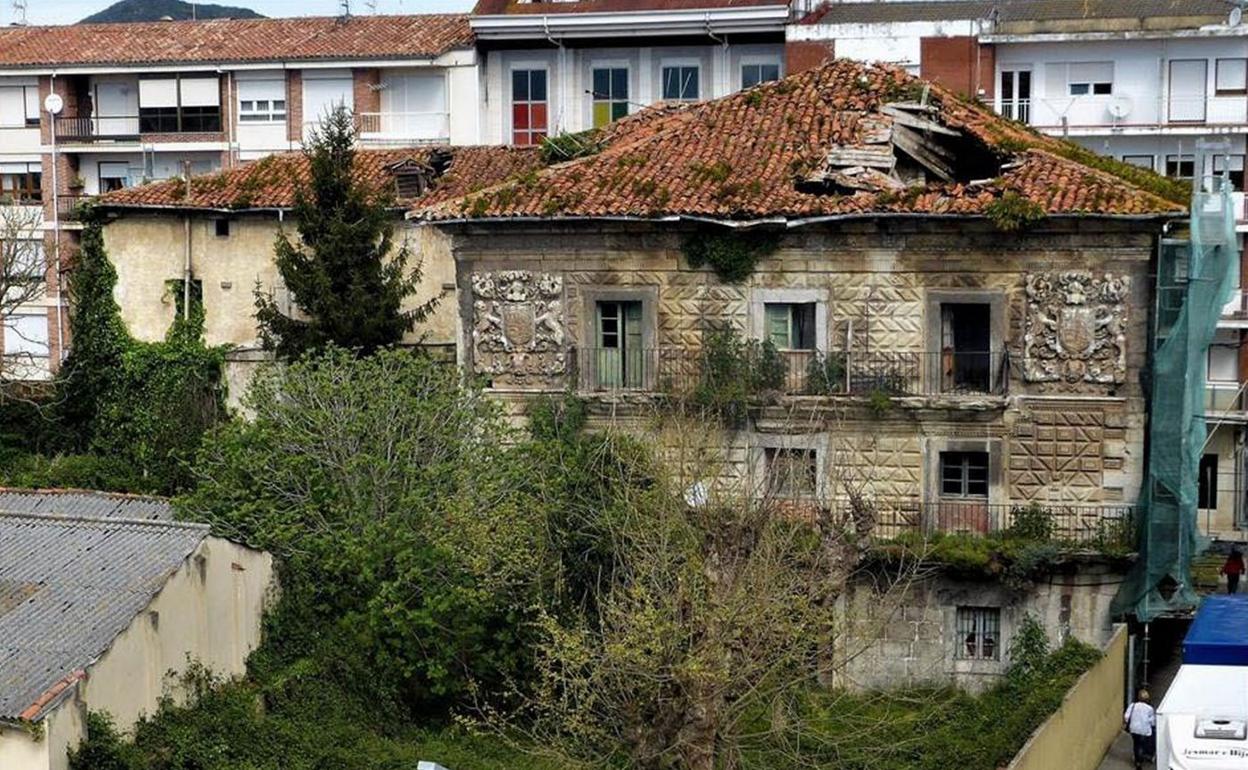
(270, 183)
(531, 8)
(68, 587)
(85, 503)
(843, 139)
(235, 40)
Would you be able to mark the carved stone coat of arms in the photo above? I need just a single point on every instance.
(1076, 328)
(518, 326)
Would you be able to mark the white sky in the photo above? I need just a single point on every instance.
(69, 11)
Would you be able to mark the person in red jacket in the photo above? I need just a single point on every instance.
(1233, 568)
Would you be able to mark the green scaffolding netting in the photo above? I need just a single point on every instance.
(1195, 279)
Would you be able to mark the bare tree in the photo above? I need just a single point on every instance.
(23, 282)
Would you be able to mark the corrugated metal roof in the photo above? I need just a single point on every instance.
(1015, 10)
(84, 503)
(68, 587)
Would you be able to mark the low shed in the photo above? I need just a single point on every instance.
(100, 611)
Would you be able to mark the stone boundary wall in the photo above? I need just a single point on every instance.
(1079, 733)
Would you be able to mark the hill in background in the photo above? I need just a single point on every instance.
(155, 10)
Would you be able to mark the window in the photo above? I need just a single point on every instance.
(759, 72)
(680, 83)
(26, 335)
(114, 176)
(22, 187)
(1142, 161)
(1180, 166)
(620, 357)
(1090, 78)
(19, 107)
(965, 346)
(222, 227)
(1231, 77)
(790, 325)
(30, 263)
(1207, 493)
(179, 105)
(610, 94)
(964, 474)
(978, 633)
(791, 472)
(1233, 165)
(1016, 94)
(529, 120)
(262, 111)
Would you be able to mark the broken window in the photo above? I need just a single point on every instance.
(790, 325)
(978, 632)
(966, 347)
(791, 473)
(964, 474)
(619, 358)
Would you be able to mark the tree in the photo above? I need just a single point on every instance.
(345, 275)
(23, 281)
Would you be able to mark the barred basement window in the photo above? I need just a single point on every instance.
(979, 633)
(791, 473)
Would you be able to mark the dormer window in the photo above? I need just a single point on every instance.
(413, 179)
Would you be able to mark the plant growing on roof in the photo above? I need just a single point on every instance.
(732, 255)
(345, 274)
(1012, 212)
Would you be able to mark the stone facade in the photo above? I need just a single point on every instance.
(910, 634)
(1065, 308)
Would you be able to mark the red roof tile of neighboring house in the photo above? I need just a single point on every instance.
(235, 40)
(742, 157)
(513, 8)
(270, 183)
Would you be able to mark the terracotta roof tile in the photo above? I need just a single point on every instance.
(235, 40)
(270, 183)
(741, 157)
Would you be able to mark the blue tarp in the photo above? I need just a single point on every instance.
(1219, 633)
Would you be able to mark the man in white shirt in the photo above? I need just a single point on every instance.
(1141, 721)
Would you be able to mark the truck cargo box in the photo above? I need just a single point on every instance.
(1219, 633)
(1202, 723)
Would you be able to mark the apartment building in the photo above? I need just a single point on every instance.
(1140, 81)
(554, 67)
(145, 102)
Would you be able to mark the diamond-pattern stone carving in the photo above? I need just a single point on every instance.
(1058, 455)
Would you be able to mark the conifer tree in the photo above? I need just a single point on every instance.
(341, 273)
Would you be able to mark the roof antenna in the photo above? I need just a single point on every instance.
(346, 8)
(371, 5)
(19, 13)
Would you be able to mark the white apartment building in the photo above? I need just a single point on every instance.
(553, 67)
(142, 102)
(1138, 80)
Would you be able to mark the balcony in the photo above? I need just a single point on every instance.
(1225, 398)
(402, 128)
(1124, 113)
(1082, 525)
(69, 207)
(794, 372)
(91, 129)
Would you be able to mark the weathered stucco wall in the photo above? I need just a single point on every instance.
(208, 612)
(148, 250)
(1088, 721)
(1070, 428)
(901, 634)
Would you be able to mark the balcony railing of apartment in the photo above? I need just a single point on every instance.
(797, 372)
(1124, 111)
(1237, 307)
(1225, 397)
(69, 207)
(93, 128)
(405, 127)
(1080, 524)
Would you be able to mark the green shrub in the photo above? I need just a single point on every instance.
(79, 471)
(1033, 522)
(733, 371)
(731, 254)
(825, 374)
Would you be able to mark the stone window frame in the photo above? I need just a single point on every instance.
(993, 598)
(761, 297)
(761, 442)
(998, 491)
(998, 326)
(648, 296)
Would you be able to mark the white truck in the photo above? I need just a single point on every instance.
(1202, 723)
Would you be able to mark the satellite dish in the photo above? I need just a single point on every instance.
(54, 104)
(1120, 107)
(1237, 16)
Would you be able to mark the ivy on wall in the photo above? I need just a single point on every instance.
(732, 255)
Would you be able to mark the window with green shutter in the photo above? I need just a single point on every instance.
(620, 359)
(790, 325)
